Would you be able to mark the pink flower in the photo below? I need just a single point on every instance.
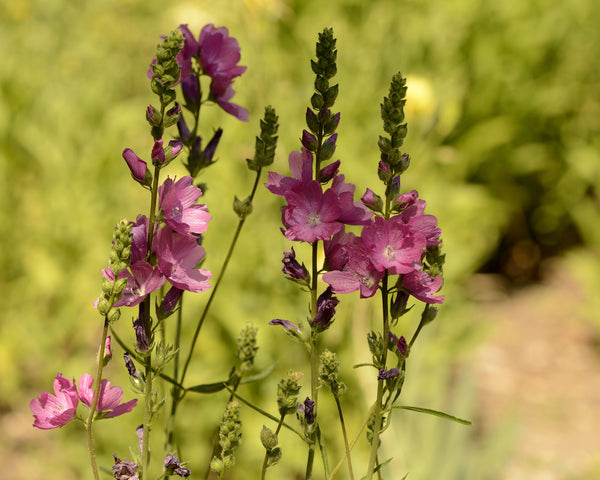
(393, 246)
(219, 53)
(300, 168)
(414, 216)
(178, 255)
(141, 281)
(108, 397)
(311, 214)
(351, 212)
(351, 268)
(422, 286)
(177, 200)
(52, 411)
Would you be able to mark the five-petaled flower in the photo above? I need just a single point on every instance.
(52, 411)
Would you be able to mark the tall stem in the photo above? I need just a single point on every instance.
(380, 384)
(90, 420)
(346, 446)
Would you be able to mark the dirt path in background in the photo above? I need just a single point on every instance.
(542, 364)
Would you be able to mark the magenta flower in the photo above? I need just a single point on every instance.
(351, 212)
(414, 216)
(311, 214)
(108, 397)
(219, 53)
(423, 286)
(177, 201)
(300, 168)
(52, 411)
(351, 268)
(178, 256)
(393, 246)
(142, 279)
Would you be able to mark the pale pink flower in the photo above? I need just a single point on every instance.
(178, 204)
(52, 411)
(108, 397)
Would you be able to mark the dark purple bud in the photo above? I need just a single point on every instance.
(402, 345)
(169, 303)
(175, 110)
(158, 153)
(130, 366)
(308, 408)
(172, 465)
(329, 171)
(385, 375)
(291, 266)
(399, 343)
(326, 304)
(141, 334)
(289, 326)
(206, 156)
(398, 307)
(309, 141)
(383, 168)
(190, 88)
(182, 128)
(124, 469)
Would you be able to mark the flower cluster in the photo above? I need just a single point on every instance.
(52, 411)
(218, 55)
(175, 249)
(398, 245)
(312, 214)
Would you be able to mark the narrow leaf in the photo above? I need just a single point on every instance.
(435, 413)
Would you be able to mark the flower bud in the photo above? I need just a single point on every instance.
(268, 438)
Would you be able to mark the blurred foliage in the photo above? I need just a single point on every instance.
(503, 113)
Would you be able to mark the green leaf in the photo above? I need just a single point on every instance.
(208, 387)
(378, 467)
(434, 413)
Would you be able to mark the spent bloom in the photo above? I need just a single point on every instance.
(52, 411)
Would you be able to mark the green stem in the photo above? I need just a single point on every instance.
(218, 282)
(354, 440)
(380, 384)
(90, 420)
(346, 446)
(314, 360)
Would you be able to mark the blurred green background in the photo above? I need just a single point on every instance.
(503, 114)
